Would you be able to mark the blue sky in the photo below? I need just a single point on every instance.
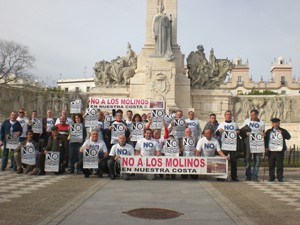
(67, 37)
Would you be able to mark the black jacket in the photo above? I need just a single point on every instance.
(285, 134)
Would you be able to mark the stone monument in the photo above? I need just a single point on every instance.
(157, 72)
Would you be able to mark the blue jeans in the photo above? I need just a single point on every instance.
(255, 170)
(74, 156)
(5, 159)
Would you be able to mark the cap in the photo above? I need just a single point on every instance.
(275, 120)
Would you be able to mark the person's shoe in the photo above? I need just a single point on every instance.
(271, 180)
(2, 169)
(86, 175)
(19, 171)
(173, 176)
(255, 179)
(167, 176)
(41, 173)
(280, 180)
(235, 180)
(70, 172)
(248, 178)
(100, 175)
(112, 177)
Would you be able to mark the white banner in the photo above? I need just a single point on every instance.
(76, 132)
(75, 106)
(52, 162)
(90, 158)
(137, 131)
(189, 146)
(91, 117)
(124, 103)
(257, 144)
(157, 118)
(37, 125)
(12, 141)
(229, 140)
(174, 165)
(171, 147)
(275, 142)
(28, 155)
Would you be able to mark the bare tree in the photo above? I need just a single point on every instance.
(15, 60)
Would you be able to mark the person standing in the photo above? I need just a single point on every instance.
(229, 127)
(194, 125)
(24, 123)
(48, 123)
(9, 126)
(212, 124)
(256, 126)
(275, 146)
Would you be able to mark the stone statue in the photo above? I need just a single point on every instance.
(161, 31)
(118, 71)
(204, 74)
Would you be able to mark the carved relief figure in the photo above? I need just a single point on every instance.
(204, 74)
(161, 31)
(118, 71)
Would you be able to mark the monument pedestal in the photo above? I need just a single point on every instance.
(159, 79)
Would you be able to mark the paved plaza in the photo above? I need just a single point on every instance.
(72, 199)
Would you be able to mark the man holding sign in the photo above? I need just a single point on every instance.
(275, 146)
(254, 144)
(11, 129)
(26, 154)
(94, 155)
(56, 144)
(229, 131)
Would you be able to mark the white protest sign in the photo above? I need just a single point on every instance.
(52, 161)
(75, 106)
(76, 132)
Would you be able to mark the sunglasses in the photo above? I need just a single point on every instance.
(21, 112)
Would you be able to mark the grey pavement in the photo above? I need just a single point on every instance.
(72, 199)
(118, 196)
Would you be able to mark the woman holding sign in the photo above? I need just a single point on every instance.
(77, 137)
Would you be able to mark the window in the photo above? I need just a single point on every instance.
(239, 79)
(66, 89)
(88, 89)
(283, 92)
(77, 89)
(239, 92)
(283, 82)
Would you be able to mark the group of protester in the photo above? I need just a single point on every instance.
(55, 137)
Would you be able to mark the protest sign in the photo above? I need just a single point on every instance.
(91, 117)
(157, 118)
(275, 142)
(76, 133)
(37, 125)
(188, 146)
(229, 140)
(75, 106)
(28, 155)
(52, 161)
(257, 144)
(137, 131)
(12, 141)
(90, 158)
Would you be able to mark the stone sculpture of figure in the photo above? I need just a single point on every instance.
(204, 74)
(288, 106)
(118, 71)
(161, 31)
(212, 58)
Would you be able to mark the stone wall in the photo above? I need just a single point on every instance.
(12, 98)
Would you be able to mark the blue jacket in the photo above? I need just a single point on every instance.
(5, 129)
